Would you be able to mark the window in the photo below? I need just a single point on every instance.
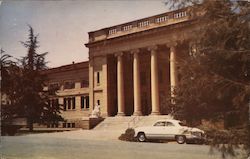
(84, 83)
(160, 123)
(68, 125)
(87, 102)
(143, 24)
(64, 125)
(98, 102)
(170, 124)
(193, 50)
(98, 77)
(69, 85)
(82, 102)
(69, 103)
(73, 103)
(112, 31)
(64, 104)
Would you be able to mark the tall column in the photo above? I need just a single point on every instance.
(137, 91)
(120, 85)
(91, 83)
(154, 81)
(104, 84)
(173, 72)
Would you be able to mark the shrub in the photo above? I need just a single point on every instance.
(10, 130)
(128, 135)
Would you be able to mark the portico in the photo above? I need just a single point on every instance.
(153, 78)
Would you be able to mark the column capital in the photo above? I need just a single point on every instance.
(119, 53)
(171, 44)
(135, 51)
(152, 48)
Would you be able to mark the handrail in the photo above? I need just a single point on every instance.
(133, 121)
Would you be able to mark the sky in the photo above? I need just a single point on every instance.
(63, 25)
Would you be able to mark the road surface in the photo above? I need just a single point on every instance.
(58, 146)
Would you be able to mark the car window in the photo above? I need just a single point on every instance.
(160, 123)
(169, 124)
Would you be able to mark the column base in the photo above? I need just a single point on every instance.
(155, 113)
(120, 114)
(137, 114)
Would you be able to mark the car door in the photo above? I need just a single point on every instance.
(157, 130)
(170, 130)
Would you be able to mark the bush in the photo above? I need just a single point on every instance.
(128, 136)
(10, 130)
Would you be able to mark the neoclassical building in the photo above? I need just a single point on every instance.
(132, 66)
(131, 69)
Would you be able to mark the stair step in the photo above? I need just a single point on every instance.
(122, 123)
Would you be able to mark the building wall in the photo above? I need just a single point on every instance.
(98, 84)
(78, 93)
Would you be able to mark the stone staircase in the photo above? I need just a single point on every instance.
(121, 123)
(114, 123)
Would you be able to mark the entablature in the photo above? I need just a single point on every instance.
(141, 25)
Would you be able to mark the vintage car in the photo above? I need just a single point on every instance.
(170, 130)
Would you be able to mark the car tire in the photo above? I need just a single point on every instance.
(141, 137)
(180, 139)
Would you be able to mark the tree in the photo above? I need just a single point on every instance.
(35, 100)
(24, 85)
(215, 78)
(8, 70)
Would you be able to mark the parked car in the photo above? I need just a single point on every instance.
(170, 130)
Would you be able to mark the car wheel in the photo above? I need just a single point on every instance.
(180, 139)
(141, 137)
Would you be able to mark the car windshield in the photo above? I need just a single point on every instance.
(182, 124)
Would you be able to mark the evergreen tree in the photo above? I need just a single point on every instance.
(35, 100)
(23, 84)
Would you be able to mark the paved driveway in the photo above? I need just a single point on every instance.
(72, 145)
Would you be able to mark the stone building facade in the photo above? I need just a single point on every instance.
(132, 66)
(72, 85)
